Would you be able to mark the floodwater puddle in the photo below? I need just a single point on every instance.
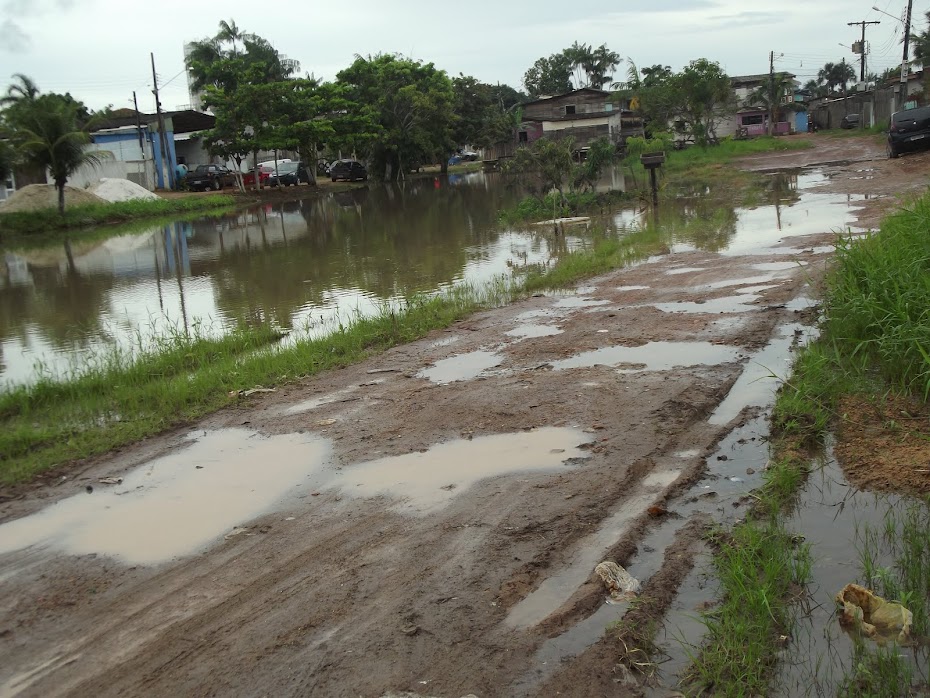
(833, 516)
(632, 288)
(176, 504)
(318, 401)
(746, 281)
(444, 342)
(683, 270)
(654, 356)
(730, 304)
(763, 373)
(533, 331)
(778, 266)
(462, 367)
(573, 302)
(424, 482)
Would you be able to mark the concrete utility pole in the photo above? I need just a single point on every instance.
(771, 128)
(907, 37)
(862, 50)
(135, 105)
(163, 137)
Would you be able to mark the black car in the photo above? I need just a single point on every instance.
(349, 170)
(213, 177)
(289, 174)
(909, 130)
(850, 121)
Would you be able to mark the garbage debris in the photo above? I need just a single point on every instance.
(621, 585)
(872, 615)
(110, 481)
(251, 391)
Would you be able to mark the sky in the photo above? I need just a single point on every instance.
(98, 50)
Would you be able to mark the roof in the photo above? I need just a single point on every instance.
(761, 77)
(593, 90)
(185, 120)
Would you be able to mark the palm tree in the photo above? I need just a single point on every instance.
(25, 91)
(836, 74)
(770, 96)
(49, 138)
(920, 44)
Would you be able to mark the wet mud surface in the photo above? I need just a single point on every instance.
(428, 520)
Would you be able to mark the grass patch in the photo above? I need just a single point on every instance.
(762, 567)
(26, 223)
(536, 208)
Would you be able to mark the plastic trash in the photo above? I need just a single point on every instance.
(872, 615)
(621, 585)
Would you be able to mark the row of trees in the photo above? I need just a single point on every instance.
(396, 112)
(578, 66)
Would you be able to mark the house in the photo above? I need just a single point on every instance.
(585, 115)
(132, 138)
(751, 119)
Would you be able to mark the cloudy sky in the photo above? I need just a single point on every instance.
(99, 49)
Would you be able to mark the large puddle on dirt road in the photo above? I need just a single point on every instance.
(424, 482)
(462, 367)
(654, 356)
(174, 505)
(533, 331)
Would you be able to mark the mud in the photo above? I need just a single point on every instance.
(428, 530)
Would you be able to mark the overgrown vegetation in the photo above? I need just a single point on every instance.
(24, 223)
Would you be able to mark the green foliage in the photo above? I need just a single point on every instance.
(834, 75)
(26, 223)
(412, 104)
(485, 114)
(576, 67)
(920, 43)
(695, 100)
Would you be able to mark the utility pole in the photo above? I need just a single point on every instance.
(863, 24)
(163, 138)
(771, 128)
(135, 105)
(845, 102)
(907, 37)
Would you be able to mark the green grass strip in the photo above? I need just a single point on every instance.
(24, 223)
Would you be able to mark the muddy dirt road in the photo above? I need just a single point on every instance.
(428, 521)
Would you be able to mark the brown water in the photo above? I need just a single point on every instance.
(305, 264)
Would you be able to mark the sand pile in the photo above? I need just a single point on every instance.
(111, 189)
(38, 196)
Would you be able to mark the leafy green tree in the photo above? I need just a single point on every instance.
(816, 88)
(656, 75)
(413, 102)
(6, 160)
(549, 76)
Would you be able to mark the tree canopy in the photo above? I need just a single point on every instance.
(580, 65)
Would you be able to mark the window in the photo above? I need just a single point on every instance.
(569, 109)
(523, 137)
(752, 119)
(609, 106)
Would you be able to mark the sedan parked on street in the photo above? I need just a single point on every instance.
(349, 170)
(213, 177)
(289, 174)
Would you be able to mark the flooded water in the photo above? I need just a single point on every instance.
(653, 356)
(302, 264)
(462, 367)
(177, 504)
(426, 481)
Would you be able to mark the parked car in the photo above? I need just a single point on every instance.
(248, 179)
(349, 170)
(469, 155)
(289, 174)
(850, 121)
(213, 177)
(908, 130)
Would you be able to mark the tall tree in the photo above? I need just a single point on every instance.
(920, 44)
(549, 76)
(414, 106)
(576, 67)
(836, 75)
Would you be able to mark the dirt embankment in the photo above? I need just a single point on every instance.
(451, 496)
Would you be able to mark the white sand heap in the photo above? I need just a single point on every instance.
(38, 196)
(111, 189)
